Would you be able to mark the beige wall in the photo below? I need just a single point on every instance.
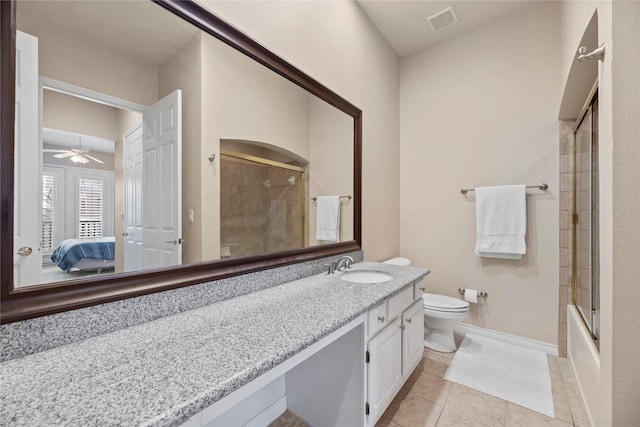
(614, 400)
(66, 57)
(243, 100)
(625, 280)
(184, 71)
(247, 101)
(471, 116)
(331, 165)
(352, 59)
(72, 114)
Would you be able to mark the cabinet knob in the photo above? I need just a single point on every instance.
(408, 320)
(402, 327)
(381, 319)
(421, 288)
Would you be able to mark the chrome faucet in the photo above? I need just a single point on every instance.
(337, 264)
(347, 260)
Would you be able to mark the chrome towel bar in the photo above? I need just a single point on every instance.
(543, 187)
(349, 196)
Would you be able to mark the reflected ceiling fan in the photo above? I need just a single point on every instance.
(76, 155)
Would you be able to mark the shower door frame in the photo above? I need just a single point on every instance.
(592, 324)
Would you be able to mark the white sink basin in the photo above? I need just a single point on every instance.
(365, 277)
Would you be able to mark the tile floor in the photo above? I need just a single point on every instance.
(428, 400)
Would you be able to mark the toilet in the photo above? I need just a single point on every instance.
(441, 314)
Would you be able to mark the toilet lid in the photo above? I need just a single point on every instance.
(444, 303)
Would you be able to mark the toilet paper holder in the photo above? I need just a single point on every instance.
(481, 294)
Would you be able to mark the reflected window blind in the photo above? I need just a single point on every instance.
(90, 208)
(48, 211)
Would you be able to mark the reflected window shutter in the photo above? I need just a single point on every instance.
(48, 211)
(90, 208)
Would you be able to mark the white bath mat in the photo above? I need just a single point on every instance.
(516, 374)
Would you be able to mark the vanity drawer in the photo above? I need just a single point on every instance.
(377, 318)
(398, 303)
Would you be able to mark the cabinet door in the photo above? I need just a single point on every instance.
(412, 337)
(385, 374)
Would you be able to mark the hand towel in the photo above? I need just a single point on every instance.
(501, 221)
(328, 218)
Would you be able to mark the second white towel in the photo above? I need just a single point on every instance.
(328, 218)
(501, 221)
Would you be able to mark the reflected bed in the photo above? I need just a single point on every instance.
(73, 255)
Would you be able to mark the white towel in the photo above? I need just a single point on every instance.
(328, 218)
(501, 221)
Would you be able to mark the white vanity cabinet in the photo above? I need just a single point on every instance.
(394, 348)
(367, 361)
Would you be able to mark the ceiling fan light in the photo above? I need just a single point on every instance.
(79, 159)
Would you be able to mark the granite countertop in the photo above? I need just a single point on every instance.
(162, 372)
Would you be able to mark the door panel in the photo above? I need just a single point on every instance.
(385, 376)
(27, 228)
(133, 239)
(412, 336)
(162, 184)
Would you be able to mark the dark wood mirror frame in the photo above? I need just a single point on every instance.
(41, 300)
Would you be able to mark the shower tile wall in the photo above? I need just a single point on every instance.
(256, 218)
(566, 241)
(243, 224)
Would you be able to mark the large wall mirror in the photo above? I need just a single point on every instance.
(150, 145)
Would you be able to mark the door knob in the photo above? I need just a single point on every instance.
(177, 241)
(25, 250)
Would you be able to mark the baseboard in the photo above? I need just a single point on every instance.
(463, 328)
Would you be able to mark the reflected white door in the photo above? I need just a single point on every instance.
(27, 260)
(162, 182)
(133, 220)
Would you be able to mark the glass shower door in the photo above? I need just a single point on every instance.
(586, 271)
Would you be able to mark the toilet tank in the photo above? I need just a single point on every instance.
(398, 261)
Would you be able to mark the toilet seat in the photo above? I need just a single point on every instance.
(444, 303)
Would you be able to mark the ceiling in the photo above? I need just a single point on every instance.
(159, 35)
(405, 26)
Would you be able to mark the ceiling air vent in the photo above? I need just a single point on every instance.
(442, 19)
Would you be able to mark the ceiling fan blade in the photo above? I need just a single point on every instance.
(93, 158)
(64, 155)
